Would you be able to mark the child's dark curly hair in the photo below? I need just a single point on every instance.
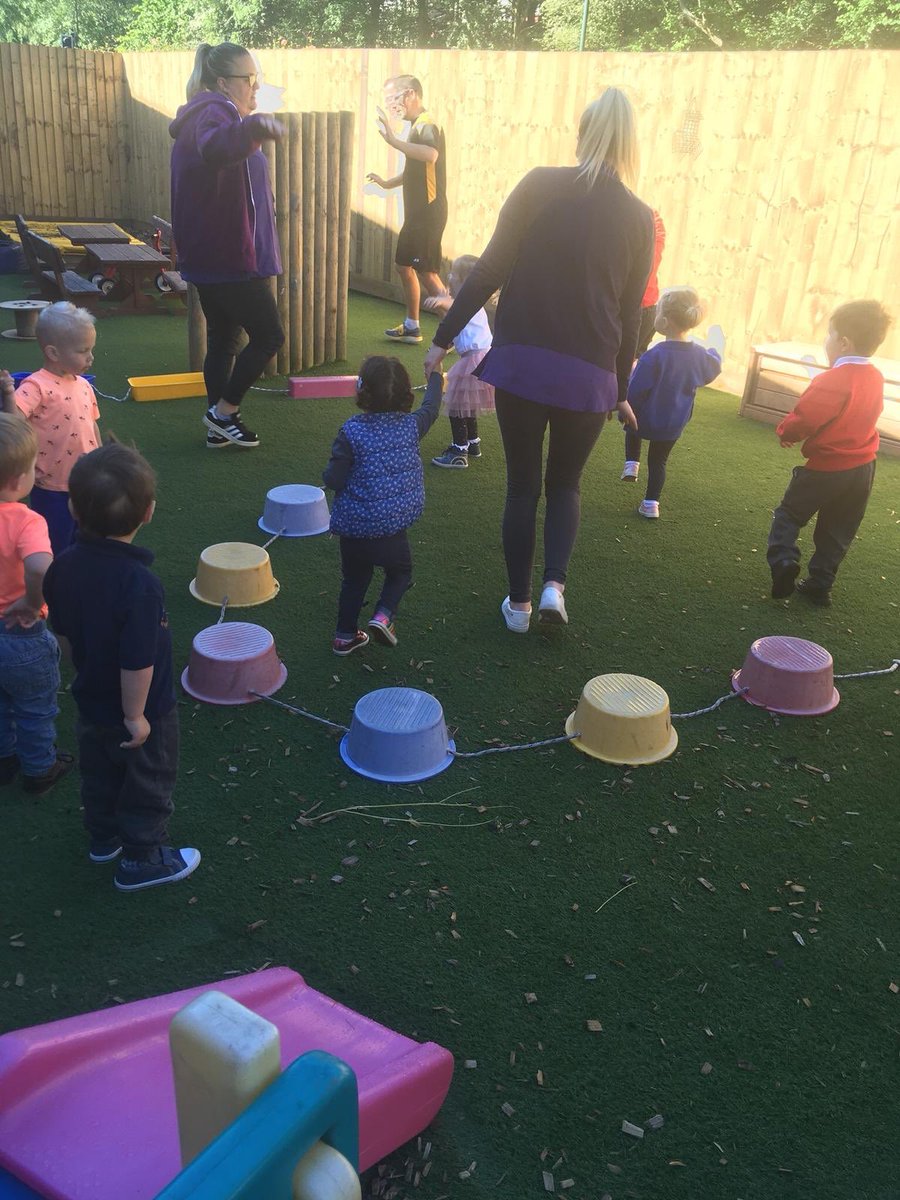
(383, 385)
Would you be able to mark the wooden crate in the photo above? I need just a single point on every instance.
(779, 373)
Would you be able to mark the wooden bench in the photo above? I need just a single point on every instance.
(31, 262)
(172, 278)
(780, 372)
(55, 282)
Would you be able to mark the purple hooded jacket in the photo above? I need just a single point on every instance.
(223, 213)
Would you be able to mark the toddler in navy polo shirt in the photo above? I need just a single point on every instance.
(107, 609)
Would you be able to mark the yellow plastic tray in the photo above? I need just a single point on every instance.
(167, 387)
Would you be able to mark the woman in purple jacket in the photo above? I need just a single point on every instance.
(223, 217)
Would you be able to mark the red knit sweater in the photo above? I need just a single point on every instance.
(835, 418)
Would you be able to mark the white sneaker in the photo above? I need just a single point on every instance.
(649, 509)
(630, 471)
(516, 622)
(552, 610)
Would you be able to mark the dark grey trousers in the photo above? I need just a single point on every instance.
(840, 499)
(128, 793)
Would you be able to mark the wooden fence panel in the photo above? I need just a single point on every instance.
(777, 174)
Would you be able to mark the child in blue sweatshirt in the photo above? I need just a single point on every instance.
(662, 389)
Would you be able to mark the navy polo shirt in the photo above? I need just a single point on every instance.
(106, 601)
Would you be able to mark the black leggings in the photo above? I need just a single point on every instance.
(463, 430)
(657, 454)
(249, 305)
(359, 558)
(523, 424)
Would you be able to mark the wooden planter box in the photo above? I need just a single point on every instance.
(780, 372)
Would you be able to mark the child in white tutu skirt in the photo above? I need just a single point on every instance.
(465, 395)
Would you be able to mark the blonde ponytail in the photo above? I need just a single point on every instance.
(195, 83)
(683, 307)
(211, 62)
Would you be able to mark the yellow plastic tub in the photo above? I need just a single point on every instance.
(237, 571)
(167, 387)
(623, 719)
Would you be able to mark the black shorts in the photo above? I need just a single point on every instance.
(419, 241)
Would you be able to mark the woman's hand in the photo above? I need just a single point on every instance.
(433, 360)
(626, 415)
(268, 128)
(373, 178)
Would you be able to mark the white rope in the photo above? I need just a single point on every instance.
(567, 737)
(300, 712)
(279, 391)
(274, 538)
(222, 611)
(118, 399)
(866, 674)
(698, 712)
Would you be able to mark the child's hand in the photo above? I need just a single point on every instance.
(626, 415)
(433, 360)
(7, 384)
(20, 612)
(139, 728)
(438, 304)
(787, 445)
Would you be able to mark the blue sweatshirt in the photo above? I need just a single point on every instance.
(663, 386)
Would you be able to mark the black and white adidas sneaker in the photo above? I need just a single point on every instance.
(232, 428)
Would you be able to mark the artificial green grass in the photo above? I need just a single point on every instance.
(440, 931)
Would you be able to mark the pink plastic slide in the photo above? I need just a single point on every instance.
(88, 1104)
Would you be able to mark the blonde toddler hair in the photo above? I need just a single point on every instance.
(682, 307)
(18, 447)
(62, 323)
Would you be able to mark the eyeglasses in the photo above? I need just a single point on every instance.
(396, 97)
(252, 79)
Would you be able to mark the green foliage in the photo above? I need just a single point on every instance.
(869, 23)
(553, 25)
(99, 24)
(726, 24)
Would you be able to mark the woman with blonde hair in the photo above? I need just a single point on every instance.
(223, 217)
(571, 254)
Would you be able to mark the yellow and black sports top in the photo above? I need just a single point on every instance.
(424, 183)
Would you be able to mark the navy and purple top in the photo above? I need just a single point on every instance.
(572, 262)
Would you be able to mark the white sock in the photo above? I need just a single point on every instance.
(410, 324)
(474, 441)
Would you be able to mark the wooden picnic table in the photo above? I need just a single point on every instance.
(97, 234)
(133, 264)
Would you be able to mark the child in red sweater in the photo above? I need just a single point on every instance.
(835, 418)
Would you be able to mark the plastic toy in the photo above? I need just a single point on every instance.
(167, 387)
(316, 387)
(89, 1112)
(623, 719)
